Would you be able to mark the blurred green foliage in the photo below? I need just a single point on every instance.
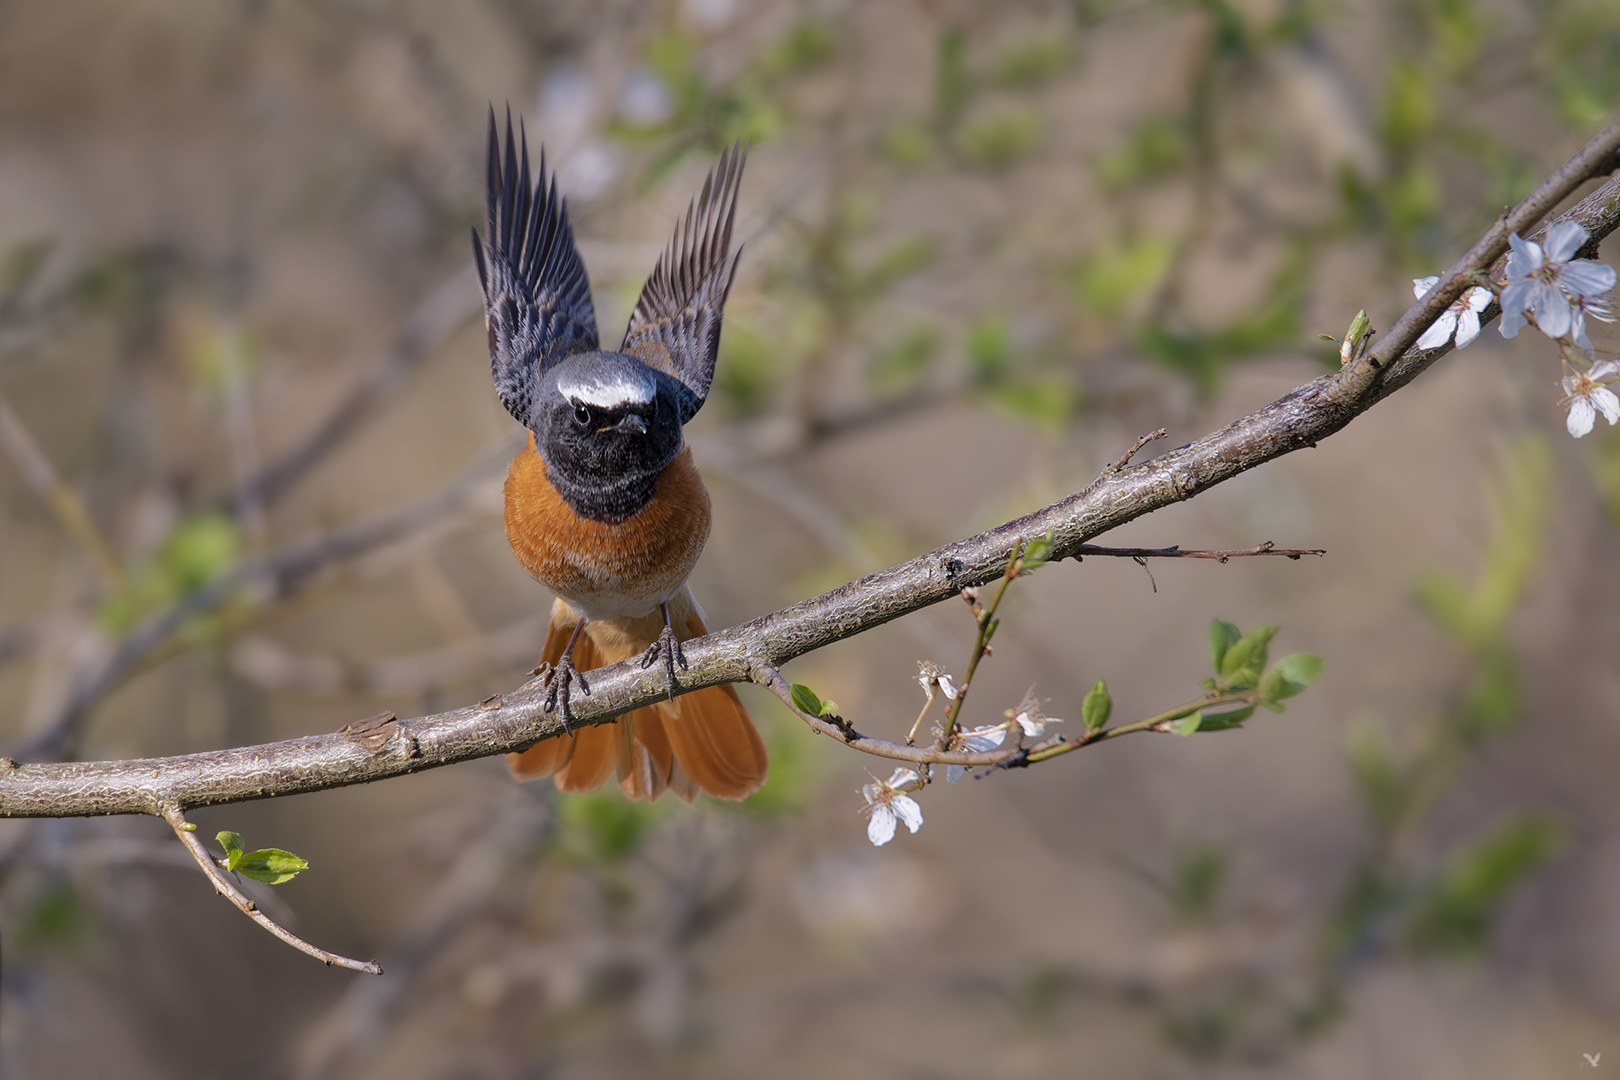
(602, 827)
(1394, 899)
(197, 550)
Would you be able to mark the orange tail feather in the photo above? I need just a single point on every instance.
(702, 741)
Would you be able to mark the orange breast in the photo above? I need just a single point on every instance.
(607, 568)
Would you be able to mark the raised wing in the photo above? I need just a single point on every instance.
(537, 300)
(676, 324)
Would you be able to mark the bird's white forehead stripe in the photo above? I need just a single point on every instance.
(609, 388)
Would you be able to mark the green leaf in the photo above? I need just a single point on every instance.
(1222, 636)
(989, 348)
(1494, 701)
(1097, 707)
(1455, 915)
(809, 44)
(603, 826)
(1188, 724)
(1288, 677)
(1383, 790)
(1028, 64)
(806, 700)
(995, 142)
(902, 365)
(1244, 660)
(1110, 280)
(270, 865)
(1196, 880)
(1037, 554)
(953, 85)
(232, 843)
(1226, 721)
(1047, 402)
(901, 260)
(910, 146)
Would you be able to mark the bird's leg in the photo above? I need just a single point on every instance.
(564, 673)
(667, 647)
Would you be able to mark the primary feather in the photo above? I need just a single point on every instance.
(676, 324)
(537, 299)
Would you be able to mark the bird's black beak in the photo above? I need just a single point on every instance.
(632, 424)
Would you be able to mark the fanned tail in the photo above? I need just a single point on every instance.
(701, 741)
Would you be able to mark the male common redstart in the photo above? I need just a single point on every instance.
(604, 505)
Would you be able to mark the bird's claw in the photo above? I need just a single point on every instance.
(669, 648)
(557, 680)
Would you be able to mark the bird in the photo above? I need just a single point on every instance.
(604, 505)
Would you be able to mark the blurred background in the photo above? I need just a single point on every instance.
(987, 246)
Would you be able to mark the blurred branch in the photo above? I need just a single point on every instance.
(436, 317)
(270, 666)
(63, 501)
(228, 889)
(18, 640)
(277, 573)
(1176, 552)
(753, 651)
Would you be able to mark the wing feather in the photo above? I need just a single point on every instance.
(676, 323)
(537, 299)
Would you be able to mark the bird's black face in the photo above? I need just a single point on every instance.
(607, 426)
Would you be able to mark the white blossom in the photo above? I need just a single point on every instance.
(931, 677)
(888, 804)
(1034, 722)
(978, 740)
(1543, 280)
(1461, 318)
(1588, 397)
(1580, 308)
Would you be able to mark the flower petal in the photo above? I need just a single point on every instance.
(1439, 333)
(880, 830)
(953, 773)
(1477, 298)
(1563, 240)
(1581, 416)
(984, 738)
(1603, 369)
(947, 687)
(902, 777)
(1525, 260)
(1607, 404)
(906, 808)
(1032, 726)
(1422, 285)
(1467, 328)
(1551, 309)
(1577, 328)
(1583, 277)
(1514, 300)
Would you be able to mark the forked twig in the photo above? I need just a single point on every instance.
(227, 888)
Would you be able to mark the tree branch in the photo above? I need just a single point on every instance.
(228, 889)
(753, 651)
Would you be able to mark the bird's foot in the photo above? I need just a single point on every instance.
(669, 649)
(557, 680)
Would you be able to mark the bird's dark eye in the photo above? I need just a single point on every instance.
(583, 416)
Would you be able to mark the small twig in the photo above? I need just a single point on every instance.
(280, 573)
(436, 316)
(1058, 745)
(986, 618)
(1125, 458)
(226, 887)
(1176, 552)
(843, 730)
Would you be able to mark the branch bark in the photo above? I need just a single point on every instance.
(753, 651)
